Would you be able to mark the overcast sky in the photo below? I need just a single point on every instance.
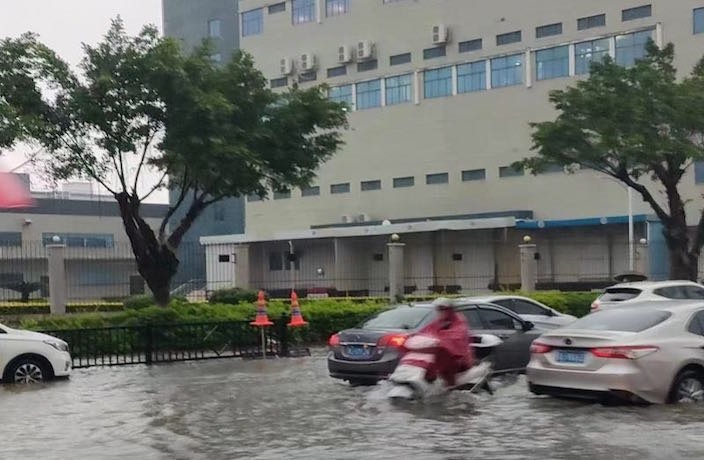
(64, 24)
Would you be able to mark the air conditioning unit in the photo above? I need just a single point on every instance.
(365, 50)
(286, 66)
(307, 62)
(440, 34)
(346, 219)
(344, 54)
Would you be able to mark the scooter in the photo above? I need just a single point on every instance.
(408, 381)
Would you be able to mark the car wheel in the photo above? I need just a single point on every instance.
(688, 387)
(28, 371)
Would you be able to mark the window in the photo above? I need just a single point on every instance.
(591, 22)
(698, 14)
(282, 195)
(368, 94)
(10, 239)
(371, 185)
(279, 261)
(403, 317)
(508, 38)
(367, 65)
(399, 59)
(699, 172)
(337, 71)
(80, 240)
(91, 276)
(552, 63)
(507, 71)
(340, 188)
(548, 30)
(437, 82)
(254, 197)
(214, 28)
(471, 77)
(302, 11)
(696, 324)
(619, 294)
(439, 178)
(400, 182)
(277, 8)
(638, 12)
(276, 262)
(498, 320)
(223, 258)
(521, 307)
(433, 53)
(252, 22)
(307, 76)
(399, 89)
(587, 52)
(694, 292)
(336, 7)
(278, 82)
(311, 191)
(510, 171)
(470, 45)
(473, 174)
(473, 319)
(621, 320)
(341, 94)
(631, 47)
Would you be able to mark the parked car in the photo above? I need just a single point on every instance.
(370, 352)
(627, 293)
(32, 357)
(531, 310)
(652, 352)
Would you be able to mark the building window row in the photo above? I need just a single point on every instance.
(498, 72)
(469, 175)
(79, 240)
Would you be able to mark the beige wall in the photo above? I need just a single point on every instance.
(487, 129)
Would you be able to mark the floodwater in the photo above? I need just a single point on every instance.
(290, 409)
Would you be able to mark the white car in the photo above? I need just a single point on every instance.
(32, 357)
(542, 316)
(638, 291)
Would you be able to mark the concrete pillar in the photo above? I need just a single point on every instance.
(529, 267)
(396, 269)
(242, 269)
(58, 293)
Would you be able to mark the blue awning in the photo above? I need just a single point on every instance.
(586, 222)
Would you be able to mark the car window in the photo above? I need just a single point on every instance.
(696, 324)
(398, 318)
(524, 307)
(672, 292)
(495, 319)
(619, 294)
(473, 319)
(694, 292)
(621, 320)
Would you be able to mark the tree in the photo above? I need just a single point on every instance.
(140, 104)
(641, 126)
(24, 288)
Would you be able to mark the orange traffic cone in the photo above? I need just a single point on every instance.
(296, 316)
(262, 318)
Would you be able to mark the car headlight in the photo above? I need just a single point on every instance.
(60, 346)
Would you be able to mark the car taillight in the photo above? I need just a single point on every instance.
(540, 348)
(334, 340)
(393, 340)
(625, 352)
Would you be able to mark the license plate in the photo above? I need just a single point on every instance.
(358, 351)
(570, 357)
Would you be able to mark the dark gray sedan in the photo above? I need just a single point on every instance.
(370, 352)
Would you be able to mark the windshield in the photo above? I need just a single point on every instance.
(405, 317)
(619, 294)
(621, 320)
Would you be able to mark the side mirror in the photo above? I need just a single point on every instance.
(528, 326)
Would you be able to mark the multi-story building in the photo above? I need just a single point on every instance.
(99, 259)
(192, 21)
(441, 94)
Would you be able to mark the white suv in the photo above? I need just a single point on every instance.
(628, 293)
(32, 357)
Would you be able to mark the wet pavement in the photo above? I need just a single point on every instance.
(290, 409)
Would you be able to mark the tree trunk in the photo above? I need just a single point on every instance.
(684, 263)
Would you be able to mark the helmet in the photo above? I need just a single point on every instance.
(443, 303)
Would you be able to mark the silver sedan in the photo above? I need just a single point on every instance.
(651, 352)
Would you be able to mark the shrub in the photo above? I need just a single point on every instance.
(233, 296)
(138, 302)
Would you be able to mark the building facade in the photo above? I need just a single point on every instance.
(99, 259)
(441, 94)
(192, 22)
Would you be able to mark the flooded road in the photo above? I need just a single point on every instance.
(290, 409)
